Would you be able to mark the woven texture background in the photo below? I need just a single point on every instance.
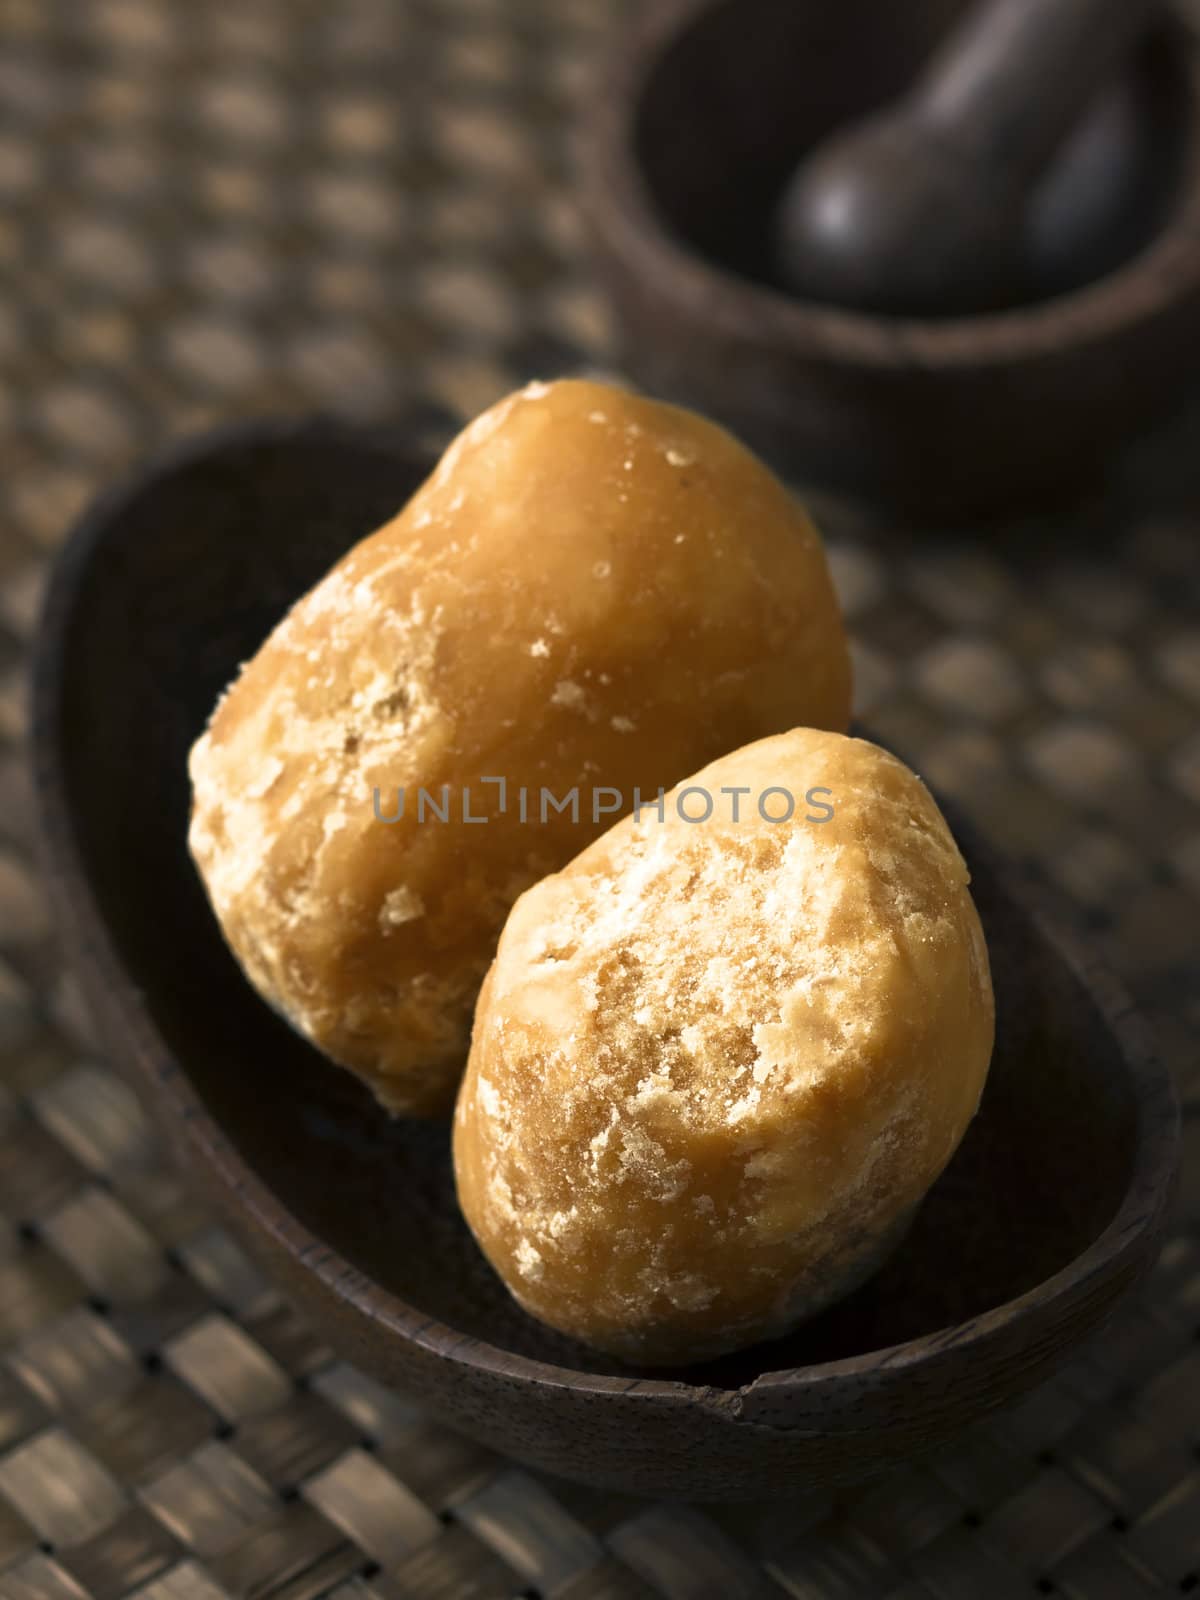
(209, 210)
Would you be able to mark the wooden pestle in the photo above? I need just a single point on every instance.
(917, 210)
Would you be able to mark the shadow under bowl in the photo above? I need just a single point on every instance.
(1051, 1208)
(703, 113)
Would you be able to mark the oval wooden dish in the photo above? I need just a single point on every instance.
(1052, 1207)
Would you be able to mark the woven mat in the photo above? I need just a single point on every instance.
(208, 210)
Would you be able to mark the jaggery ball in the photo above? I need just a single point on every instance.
(592, 590)
(717, 1064)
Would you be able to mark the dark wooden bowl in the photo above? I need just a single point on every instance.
(1050, 1210)
(702, 114)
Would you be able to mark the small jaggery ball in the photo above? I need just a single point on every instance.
(717, 1064)
(592, 589)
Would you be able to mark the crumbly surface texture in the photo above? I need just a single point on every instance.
(717, 1065)
(591, 589)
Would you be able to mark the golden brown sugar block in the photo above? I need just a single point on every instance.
(717, 1064)
(592, 589)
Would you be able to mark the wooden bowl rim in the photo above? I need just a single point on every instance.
(1116, 1249)
(623, 216)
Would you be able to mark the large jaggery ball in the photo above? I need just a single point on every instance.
(593, 590)
(717, 1064)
